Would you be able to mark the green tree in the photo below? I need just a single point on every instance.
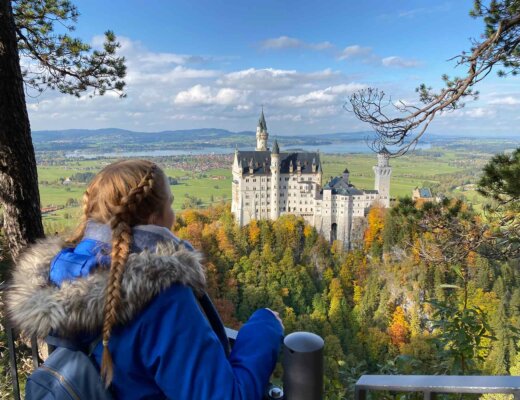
(501, 182)
(28, 28)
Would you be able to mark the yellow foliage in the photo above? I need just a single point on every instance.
(375, 227)
(254, 233)
(358, 293)
(307, 231)
(399, 329)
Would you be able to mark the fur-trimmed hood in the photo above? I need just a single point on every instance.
(38, 307)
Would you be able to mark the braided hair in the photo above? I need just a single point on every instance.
(123, 194)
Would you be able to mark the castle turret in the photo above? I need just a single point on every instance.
(346, 175)
(261, 133)
(275, 181)
(383, 171)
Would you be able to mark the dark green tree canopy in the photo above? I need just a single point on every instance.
(57, 60)
(501, 178)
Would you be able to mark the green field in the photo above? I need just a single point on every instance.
(432, 168)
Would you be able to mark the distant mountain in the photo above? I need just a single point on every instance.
(111, 139)
(148, 137)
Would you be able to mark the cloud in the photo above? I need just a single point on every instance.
(325, 96)
(273, 79)
(205, 95)
(367, 55)
(479, 112)
(356, 51)
(400, 62)
(505, 101)
(286, 42)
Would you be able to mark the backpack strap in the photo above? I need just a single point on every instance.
(215, 321)
(74, 345)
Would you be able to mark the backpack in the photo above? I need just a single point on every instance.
(68, 373)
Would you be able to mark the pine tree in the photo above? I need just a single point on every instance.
(67, 65)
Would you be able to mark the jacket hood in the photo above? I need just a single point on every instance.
(38, 307)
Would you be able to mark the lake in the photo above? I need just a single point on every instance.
(335, 148)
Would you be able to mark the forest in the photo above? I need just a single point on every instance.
(432, 288)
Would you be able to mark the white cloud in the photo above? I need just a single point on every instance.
(171, 76)
(506, 101)
(479, 112)
(205, 95)
(286, 42)
(400, 62)
(367, 55)
(356, 51)
(273, 79)
(328, 95)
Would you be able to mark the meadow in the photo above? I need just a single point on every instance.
(447, 171)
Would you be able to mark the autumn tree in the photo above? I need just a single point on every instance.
(399, 329)
(51, 60)
(373, 235)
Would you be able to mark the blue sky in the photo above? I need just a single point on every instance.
(194, 64)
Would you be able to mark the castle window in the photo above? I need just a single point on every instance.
(247, 180)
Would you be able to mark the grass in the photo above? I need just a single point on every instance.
(214, 185)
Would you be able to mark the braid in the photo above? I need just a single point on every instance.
(121, 225)
(80, 231)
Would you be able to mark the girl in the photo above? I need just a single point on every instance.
(125, 277)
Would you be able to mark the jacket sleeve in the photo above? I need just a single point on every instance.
(187, 360)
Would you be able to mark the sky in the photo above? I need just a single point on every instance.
(214, 64)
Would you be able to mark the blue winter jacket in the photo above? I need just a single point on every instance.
(164, 347)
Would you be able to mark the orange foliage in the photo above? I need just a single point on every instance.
(399, 329)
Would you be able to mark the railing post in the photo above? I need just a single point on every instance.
(360, 394)
(12, 361)
(303, 366)
(34, 352)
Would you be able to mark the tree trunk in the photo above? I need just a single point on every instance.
(19, 194)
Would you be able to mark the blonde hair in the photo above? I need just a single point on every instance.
(123, 194)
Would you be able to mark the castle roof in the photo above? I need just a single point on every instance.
(261, 122)
(261, 162)
(339, 185)
(425, 193)
(276, 148)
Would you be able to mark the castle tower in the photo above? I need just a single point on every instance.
(275, 181)
(383, 170)
(261, 133)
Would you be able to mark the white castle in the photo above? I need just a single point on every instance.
(269, 183)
